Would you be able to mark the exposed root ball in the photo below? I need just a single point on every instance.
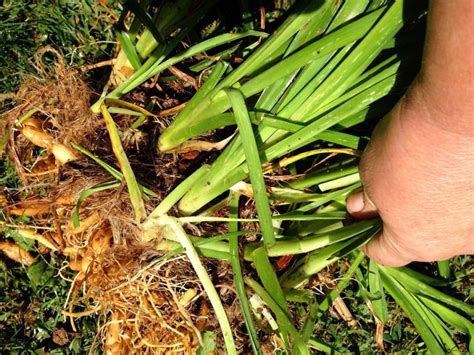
(52, 112)
(148, 305)
(151, 310)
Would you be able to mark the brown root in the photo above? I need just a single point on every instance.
(15, 252)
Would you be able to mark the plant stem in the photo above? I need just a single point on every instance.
(177, 230)
(132, 185)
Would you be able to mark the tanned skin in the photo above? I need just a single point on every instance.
(418, 170)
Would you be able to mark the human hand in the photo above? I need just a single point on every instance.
(418, 170)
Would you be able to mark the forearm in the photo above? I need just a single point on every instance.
(445, 81)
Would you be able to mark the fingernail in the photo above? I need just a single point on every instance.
(356, 202)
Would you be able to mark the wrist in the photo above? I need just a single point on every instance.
(447, 122)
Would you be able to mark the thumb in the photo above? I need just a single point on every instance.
(359, 205)
(384, 250)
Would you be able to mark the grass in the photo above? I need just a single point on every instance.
(83, 30)
(307, 94)
(32, 302)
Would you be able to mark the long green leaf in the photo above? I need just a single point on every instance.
(85, 194)
(129, 49)
(142, 76)
(316, 261)
(132, 185)
(317, 241)
(110, 169)
(238, 277)
(268, 277)
(336, 215)
(357, 60)
(342, 284)
(418, 287)
(284, 322)
(218, 181)
(254, 164)
(451, 317)
(405, 300)
(375, 287)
